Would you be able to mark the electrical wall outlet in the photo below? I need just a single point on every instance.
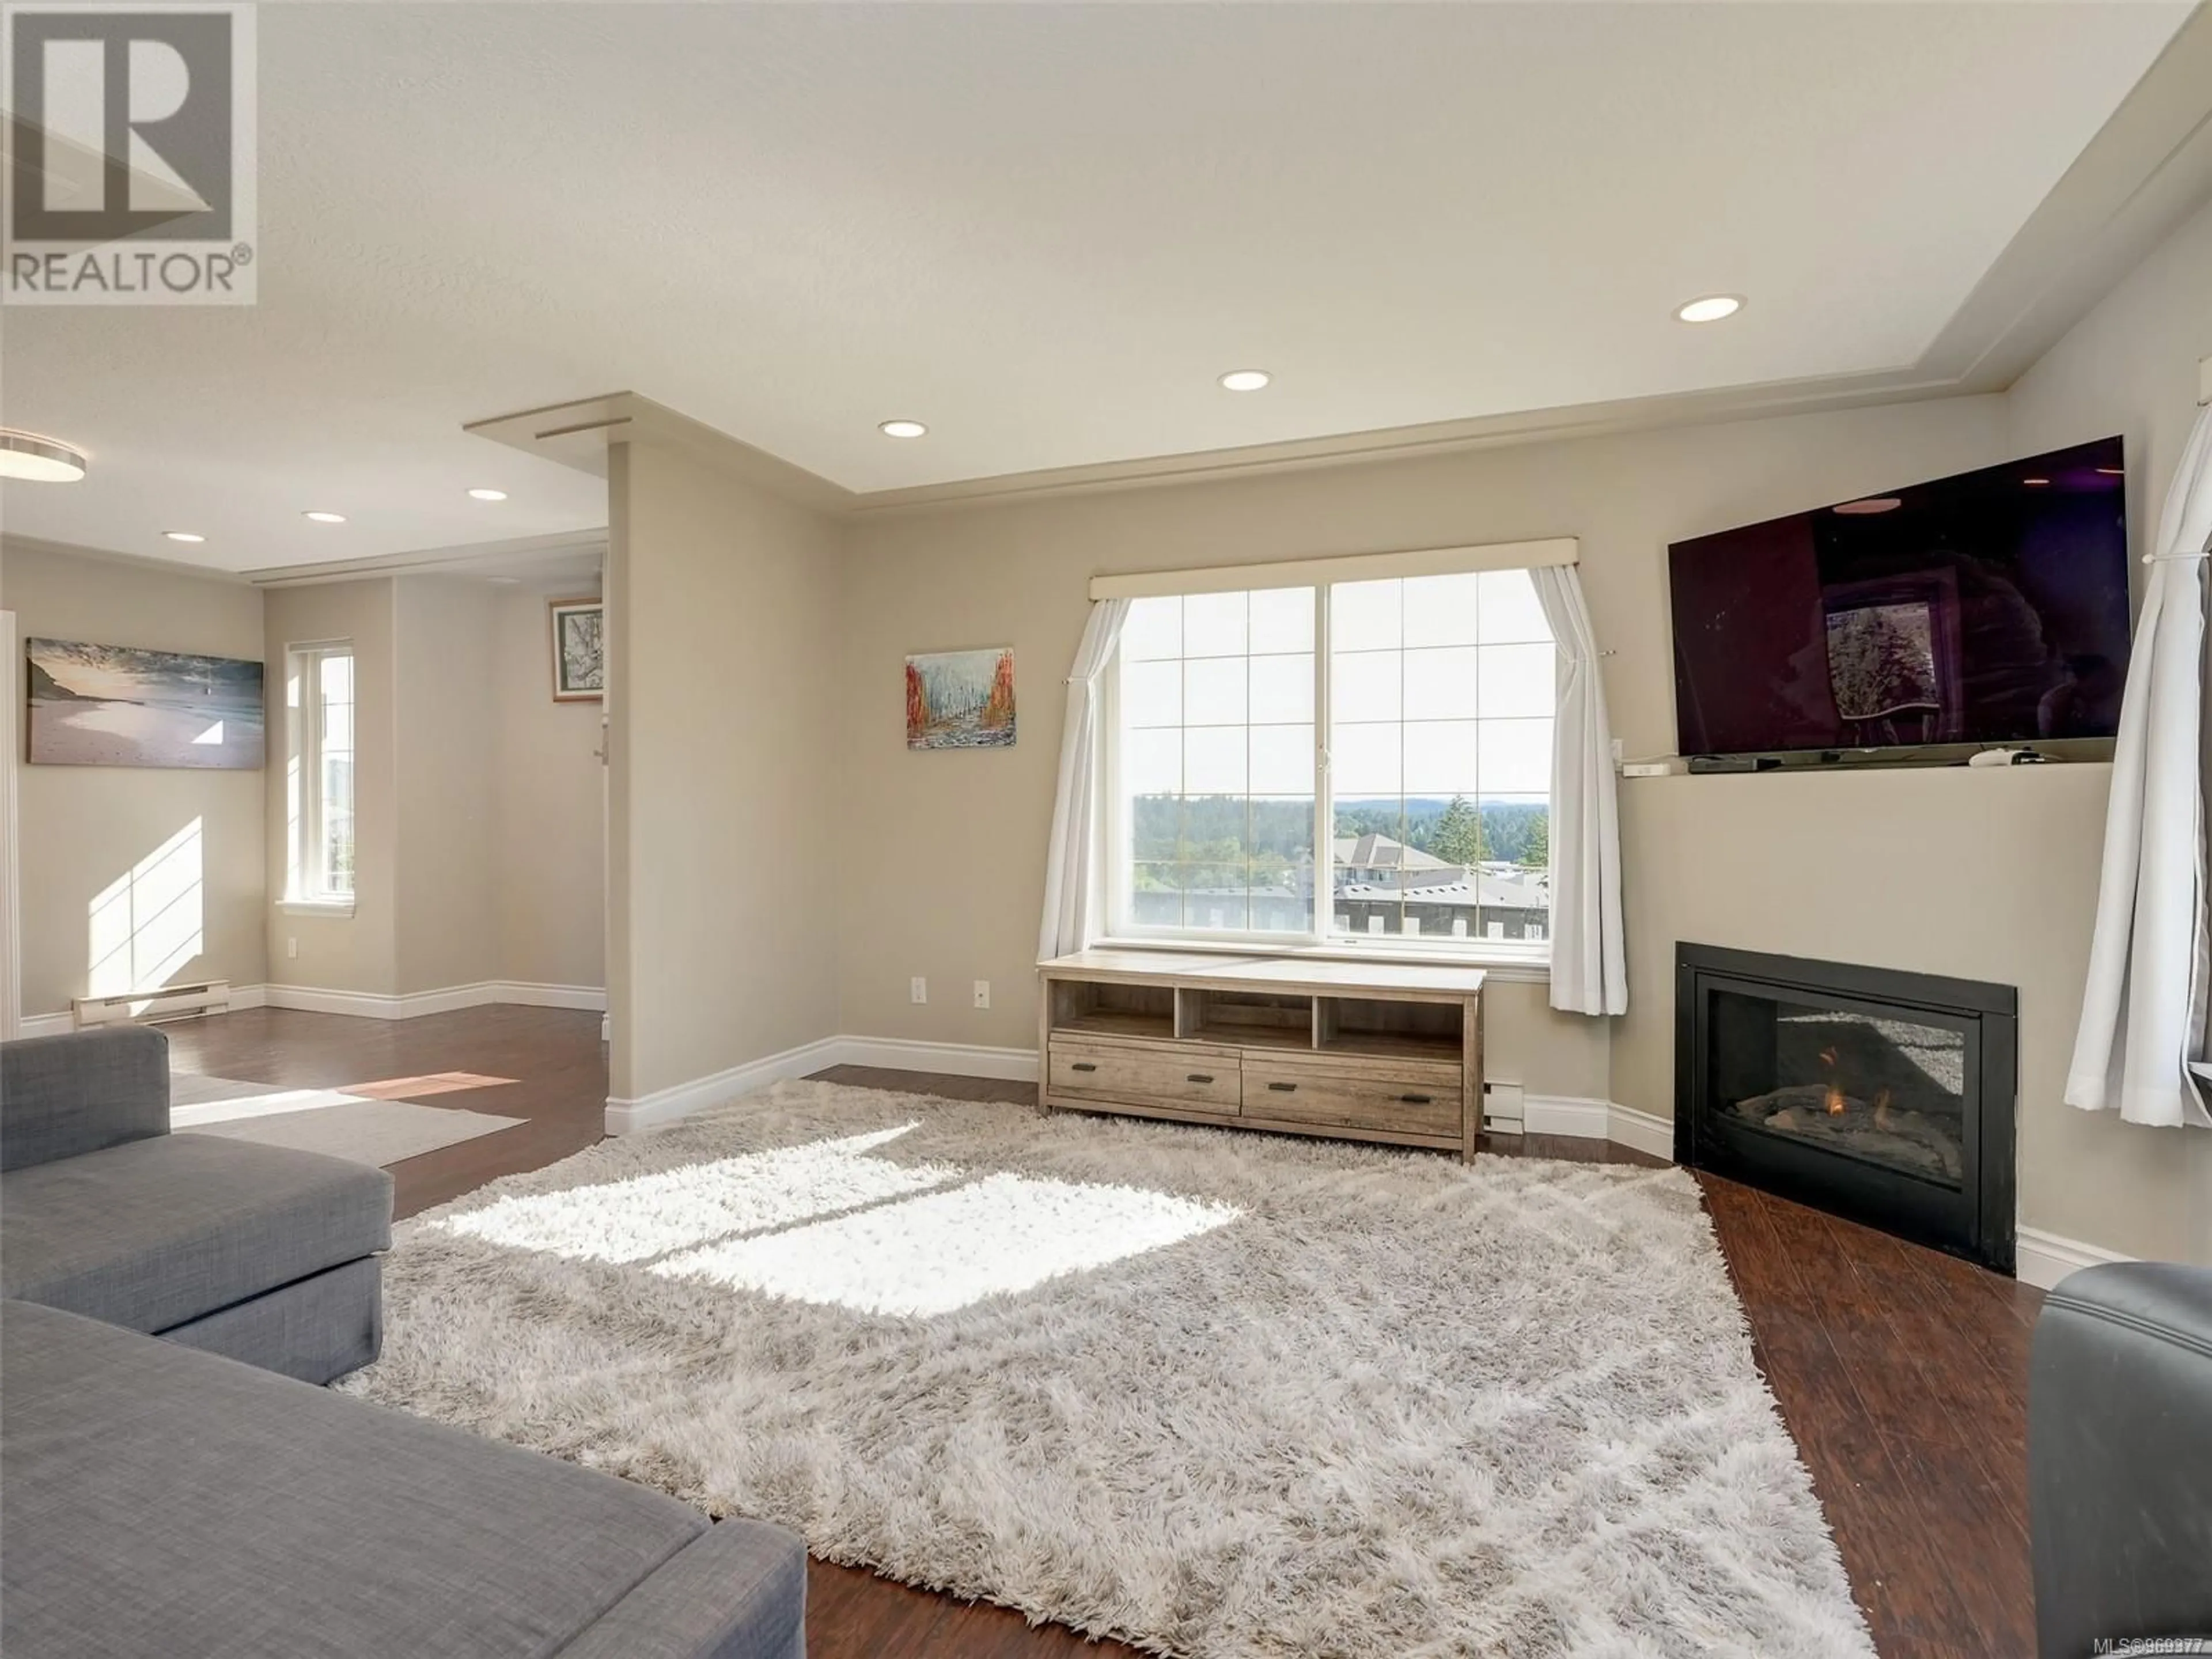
(917, 989)
(291, 947)
(982, 993)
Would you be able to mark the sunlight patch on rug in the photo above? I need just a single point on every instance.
(932, 1255)
(650, 1215)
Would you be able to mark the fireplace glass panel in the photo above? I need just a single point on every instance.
(1887, 1091)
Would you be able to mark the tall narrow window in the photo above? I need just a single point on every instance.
(1217, 762)
(318, 702)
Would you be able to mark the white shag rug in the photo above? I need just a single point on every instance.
(1216, 1395)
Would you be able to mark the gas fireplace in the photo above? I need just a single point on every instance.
(1882, 1097)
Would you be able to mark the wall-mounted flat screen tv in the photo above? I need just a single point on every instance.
(1988, 608)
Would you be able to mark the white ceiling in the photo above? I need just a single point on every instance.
(1044, 229)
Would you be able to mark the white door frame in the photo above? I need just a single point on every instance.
(11, 916)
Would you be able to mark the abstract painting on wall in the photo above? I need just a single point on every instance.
(961, 699)
(579, 651)
(110, 705)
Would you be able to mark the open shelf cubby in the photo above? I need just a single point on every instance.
(1105, 1009)
(1395, 1031)
(1245, 1019)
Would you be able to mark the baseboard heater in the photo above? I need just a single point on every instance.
(145, 1007)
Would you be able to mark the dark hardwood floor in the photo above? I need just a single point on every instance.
(1902, 1373)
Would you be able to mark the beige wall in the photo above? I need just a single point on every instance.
(2128, 366)
(551, 845)
(83, 828)
(357, 952)
(942, 854)
(1983, 874)
(446, 928)
(723, 602)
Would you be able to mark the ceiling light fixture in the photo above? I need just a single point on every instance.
(1245, 379)
(2111, 472)
(1709, 309)
(183, 536)
(902, 429)
(487, 495)
(34, 459)
(1872, 504)
(326, 518)
(2035, 483)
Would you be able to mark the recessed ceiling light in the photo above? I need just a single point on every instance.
(489, 494)
(902, 429)
(183, 536)
(326, 518)
(1245, 379)
(1873, 504)
(2035, 484)
(34, 459)
(2112, 471)
(1709, 309)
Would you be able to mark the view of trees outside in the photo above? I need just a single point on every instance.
(1441, 744)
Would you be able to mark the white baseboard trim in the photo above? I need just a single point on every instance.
(1645, 1132)
(1599, 1120)
(664, 1106)
(962, 1059)
(589, 998)
(2042, 1259)
(1564, 1115)
(366, 1005)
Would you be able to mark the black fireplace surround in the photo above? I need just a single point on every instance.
(1884, 1097)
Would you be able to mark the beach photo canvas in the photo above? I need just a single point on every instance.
(111, 705)
(961, 699)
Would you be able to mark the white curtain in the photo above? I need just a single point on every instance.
(1072, 887)
(1589, 964)
(2143, 1011)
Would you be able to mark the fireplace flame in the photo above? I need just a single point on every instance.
(1835, 1101)
(1828, 1056)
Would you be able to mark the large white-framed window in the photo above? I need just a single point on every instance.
(1355, 764)
(319, 720)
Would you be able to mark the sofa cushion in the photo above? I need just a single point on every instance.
(162, 1500)
(154, 1233)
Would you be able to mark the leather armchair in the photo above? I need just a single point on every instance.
(2119, 1458)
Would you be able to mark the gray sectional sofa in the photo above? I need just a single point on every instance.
(194, 1496)
(262, 1254)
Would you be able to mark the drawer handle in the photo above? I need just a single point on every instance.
(1082, 1066)
(1284, 1088)
(1419, 1100)
(1200, 1077)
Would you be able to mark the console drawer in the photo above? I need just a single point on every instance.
(1424, 1100)
(1171, 1073)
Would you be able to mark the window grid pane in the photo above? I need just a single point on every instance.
(1439, 735)
(1443, 691)
(1216, 763)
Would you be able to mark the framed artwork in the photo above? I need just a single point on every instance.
(961, 699)
(112, 705)
(579, 652)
